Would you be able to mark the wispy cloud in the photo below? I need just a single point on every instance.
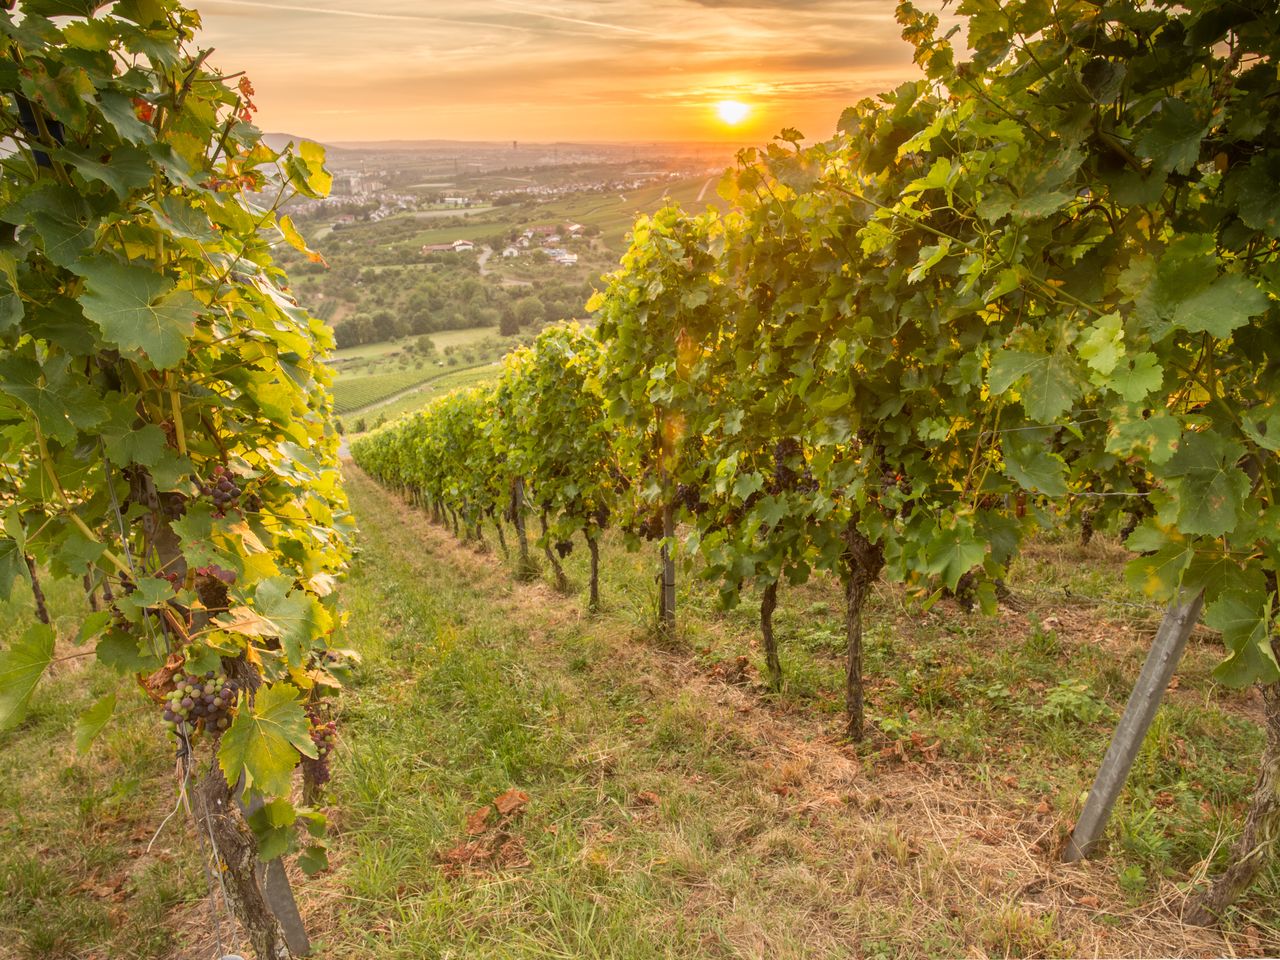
(535, 11)
(289, 8)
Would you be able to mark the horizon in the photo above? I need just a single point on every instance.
(598, 72)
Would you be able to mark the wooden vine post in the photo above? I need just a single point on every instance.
(667, 573)
(1179, 620)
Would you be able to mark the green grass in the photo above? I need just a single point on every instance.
(76, 879)
(461, 338)
(445, 338)
(370, 374)
(766, 836)
(615, 215)
(671, 814)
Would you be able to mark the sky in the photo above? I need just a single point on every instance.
(584, 70)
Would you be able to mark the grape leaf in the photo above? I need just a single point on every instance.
(126, 441)
(61, 218)
(298, 615)
(952, 557)
(118, 111)
(138, 309)
(1226, 304)
(1155, 436)
(1031, 465)
(1211, 487)
(1244, 619)
(1049, 388)
(93, 721)
(272, 826)
(12, 565)
(21, 667)
(264, 740)
(1135, 380)
(1171, 138)
(1159, 574)
(1103, 343)
(60, 404)
(1257, 192)
(124, 171)
(313, 860)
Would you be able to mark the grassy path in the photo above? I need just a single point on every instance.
(669, 814)
(669, 811)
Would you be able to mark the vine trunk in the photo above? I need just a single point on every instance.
(562, 582)
(863, 562)
(768, 604)
(594, 603)
(1261, 825)
(37, 592)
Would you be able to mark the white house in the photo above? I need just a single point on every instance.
(509, 252)
(463, 246)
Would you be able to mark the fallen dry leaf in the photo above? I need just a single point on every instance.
(478, 822)
(647, 798)
(510, 802)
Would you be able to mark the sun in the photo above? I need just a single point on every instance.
(732, 112)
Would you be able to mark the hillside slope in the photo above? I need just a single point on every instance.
(670, 813)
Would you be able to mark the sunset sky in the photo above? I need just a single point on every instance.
(342, 70)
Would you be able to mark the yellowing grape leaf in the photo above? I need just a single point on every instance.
(265, 739)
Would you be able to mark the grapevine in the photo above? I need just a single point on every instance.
(1032, 289)
(167, 400)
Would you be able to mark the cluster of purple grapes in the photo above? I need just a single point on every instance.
(689, 496)
(196, 699)
(651, 526)
(564, 548)
(223, 490)
(785, 477)
(325, 737)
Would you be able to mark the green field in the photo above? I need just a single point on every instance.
(355, 393)
(613, 213)
(436, 386)
(369, 352)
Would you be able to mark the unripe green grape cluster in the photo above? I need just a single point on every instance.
(200, 701)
